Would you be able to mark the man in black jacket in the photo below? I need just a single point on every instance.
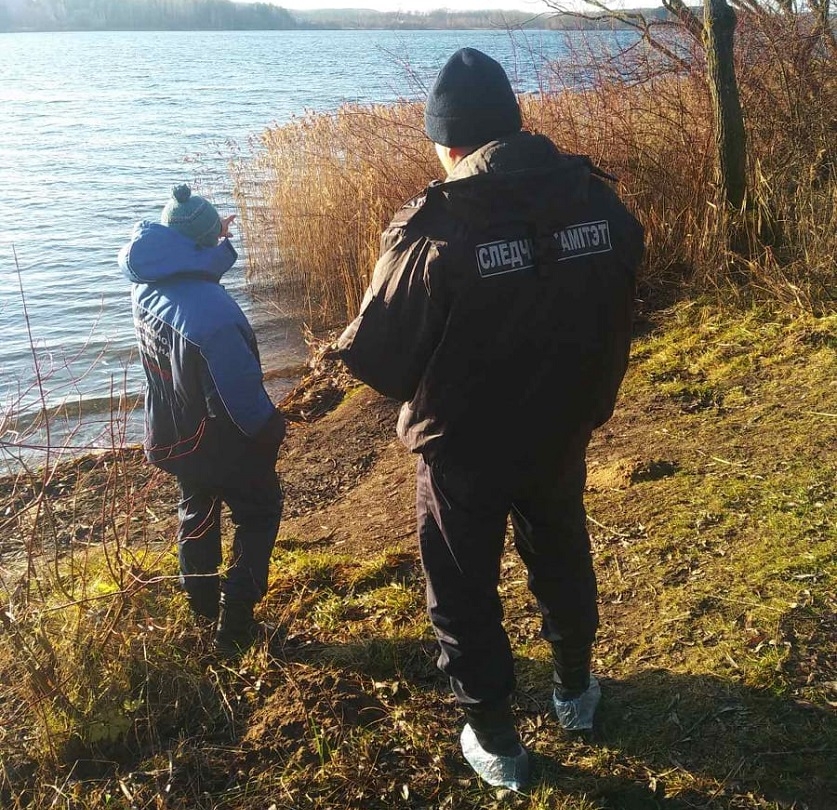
(500, 314)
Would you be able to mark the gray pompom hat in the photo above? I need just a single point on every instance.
(193, 216)
(471, 102)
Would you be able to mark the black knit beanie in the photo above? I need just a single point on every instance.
(471, 102)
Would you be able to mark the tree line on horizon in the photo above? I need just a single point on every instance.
(105, 15)
(441, 19)
(110, 15)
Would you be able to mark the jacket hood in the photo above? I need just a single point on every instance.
(157, 253)
(523, 172)
(516, 152)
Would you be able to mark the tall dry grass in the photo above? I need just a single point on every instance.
(315, 194)
(85, 563)
(98, 661)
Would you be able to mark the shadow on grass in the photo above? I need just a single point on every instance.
(737, 746)
(661, 739)
(349, 723)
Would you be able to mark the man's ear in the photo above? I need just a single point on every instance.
(458, 152)
(449, 156)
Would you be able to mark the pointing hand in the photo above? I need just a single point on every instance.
(225, 226)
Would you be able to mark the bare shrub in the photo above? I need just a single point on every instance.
(789, 91)
(88, 637)
(97, 659)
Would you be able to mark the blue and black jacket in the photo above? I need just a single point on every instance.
(205, 403)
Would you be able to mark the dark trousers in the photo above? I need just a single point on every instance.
(462, 512)
(251, 491)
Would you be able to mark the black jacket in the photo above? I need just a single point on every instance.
(500, 308)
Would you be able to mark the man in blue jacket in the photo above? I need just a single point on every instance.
(209, 420)
(500, 314)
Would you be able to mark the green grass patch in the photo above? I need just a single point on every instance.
(714, 540)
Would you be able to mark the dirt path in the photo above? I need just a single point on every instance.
(353, 487)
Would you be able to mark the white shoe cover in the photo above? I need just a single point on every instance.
(577, 714)
(498, 771)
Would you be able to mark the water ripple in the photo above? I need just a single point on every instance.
(96, 127)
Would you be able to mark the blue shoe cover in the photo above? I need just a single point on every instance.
(498, 771)
(577, 714)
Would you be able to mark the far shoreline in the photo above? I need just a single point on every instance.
(311, 29)
(331, 19)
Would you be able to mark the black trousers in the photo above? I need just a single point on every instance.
(462, 511)
(251, 490)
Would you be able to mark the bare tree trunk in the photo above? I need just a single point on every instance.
(719, 31)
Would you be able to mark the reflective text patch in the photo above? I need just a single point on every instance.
(572, 242)
(583, 240)
(505, 256)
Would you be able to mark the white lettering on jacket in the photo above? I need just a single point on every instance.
(150, 341)
(583, 239)
(574, 241)
(504, 256)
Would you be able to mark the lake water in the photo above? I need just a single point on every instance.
(94, 130)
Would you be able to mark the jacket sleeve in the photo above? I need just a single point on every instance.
(399, 326)
(236, 375)
(620, 313)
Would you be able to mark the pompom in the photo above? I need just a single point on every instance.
(181, 193)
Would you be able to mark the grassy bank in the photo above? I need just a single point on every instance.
(713, 513)
(711, 500)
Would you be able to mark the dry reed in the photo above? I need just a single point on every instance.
(314, 194)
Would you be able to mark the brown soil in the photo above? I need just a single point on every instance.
(352, 488)
(712, 511)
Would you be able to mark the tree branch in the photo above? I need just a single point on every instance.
(633, 19)
(824, 29)
(690, 22)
